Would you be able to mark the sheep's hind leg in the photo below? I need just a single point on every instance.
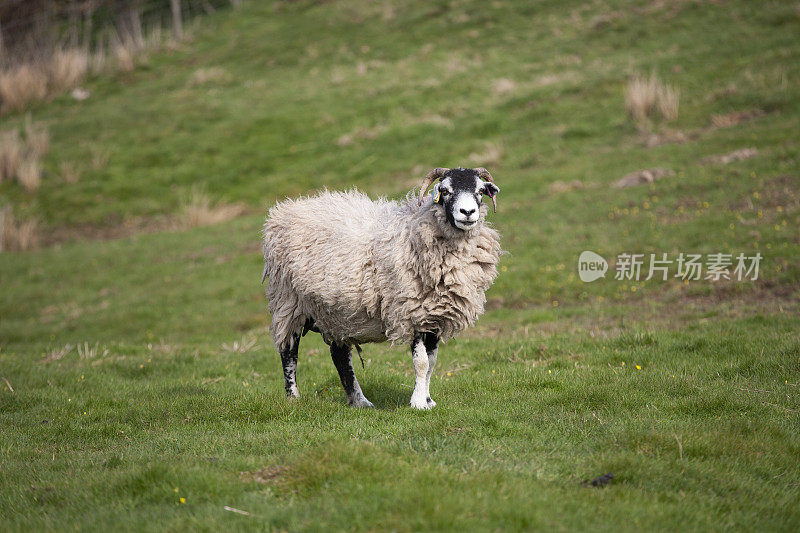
(419, 354)
(289, 361)
(341, 355)
(431, 342)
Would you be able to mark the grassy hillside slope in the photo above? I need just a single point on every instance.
(147, 395)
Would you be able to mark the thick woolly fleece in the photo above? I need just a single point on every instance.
(370, 271)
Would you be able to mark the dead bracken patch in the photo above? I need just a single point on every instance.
(503, 86)
(730, 157)
(269, 474)
(666, 136)
(360, 134)
(144, 225)
(491, 155)
(565, 186)
(735, 117)
(641, 177)
(198, 210)
(204, 76)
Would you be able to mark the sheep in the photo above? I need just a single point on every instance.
(358, 271)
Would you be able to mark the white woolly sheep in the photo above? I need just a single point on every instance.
(359, 271)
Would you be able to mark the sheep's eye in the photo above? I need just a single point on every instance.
(444, 192)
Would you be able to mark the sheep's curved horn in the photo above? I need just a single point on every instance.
(484, 175)
(429, 178)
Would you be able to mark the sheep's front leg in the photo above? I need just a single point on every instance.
(419, 355)
(431, 342)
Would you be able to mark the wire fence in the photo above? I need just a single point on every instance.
(29, 28)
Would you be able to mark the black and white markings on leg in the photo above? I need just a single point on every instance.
(289, 361)
(342, 359)
(420, 398)
(431, 342)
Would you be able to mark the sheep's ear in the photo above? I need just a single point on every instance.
(437, 196)
(490, 189)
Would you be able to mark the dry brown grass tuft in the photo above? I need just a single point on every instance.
(125, 55)
(11, 148)
(87, 351)
(21, 85)
(645, 97)
(244, 345)
(640, 98)
(17, 235)
(29, 174)
(37, 139)
(98, 60)
(67, 67)
(198, 210)
(27, 83)
(70, 172)
(21, 156)
(668, 101)
(56, 354)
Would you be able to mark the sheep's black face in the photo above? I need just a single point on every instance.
(460, 192)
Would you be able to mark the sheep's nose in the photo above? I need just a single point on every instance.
(467, 212)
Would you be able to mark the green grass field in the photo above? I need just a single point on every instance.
(147, 394)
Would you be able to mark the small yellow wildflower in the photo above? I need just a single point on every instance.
(141, 366)
(175, 490)
(183, 500)
(638, 367)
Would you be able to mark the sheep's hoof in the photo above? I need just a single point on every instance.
(359, 401)
(431, 403)
(421, 403)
